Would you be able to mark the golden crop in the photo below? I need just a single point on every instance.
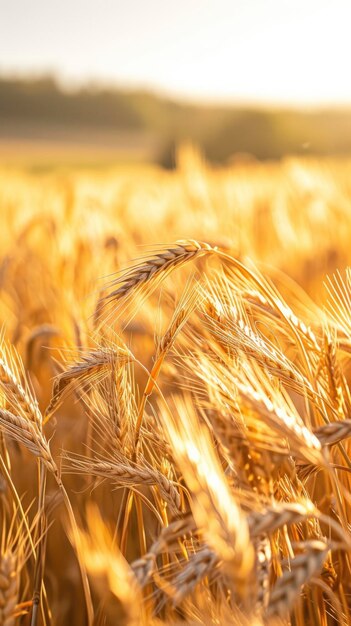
(175, 429)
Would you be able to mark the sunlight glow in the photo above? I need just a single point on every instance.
(278, 51)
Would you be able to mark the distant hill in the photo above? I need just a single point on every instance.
(37, 108)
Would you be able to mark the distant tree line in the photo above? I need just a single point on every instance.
(220, 131)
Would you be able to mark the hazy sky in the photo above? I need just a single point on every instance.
(266, 50)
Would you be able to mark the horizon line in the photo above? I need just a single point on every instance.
(71, 84)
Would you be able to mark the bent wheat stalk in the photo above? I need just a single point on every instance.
(128, 475)
(149, 273)
(92, 366)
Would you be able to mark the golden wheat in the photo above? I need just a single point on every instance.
(175, 436)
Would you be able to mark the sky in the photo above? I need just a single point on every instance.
(267, 51)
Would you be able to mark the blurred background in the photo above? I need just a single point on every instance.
(89, 83)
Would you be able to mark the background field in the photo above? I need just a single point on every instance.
(44, 123)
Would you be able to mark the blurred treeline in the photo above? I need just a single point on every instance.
(220, 131)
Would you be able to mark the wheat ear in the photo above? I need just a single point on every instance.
(93, 365)
(9, 585)
(334, 432)
(302, 568)
(158, 266)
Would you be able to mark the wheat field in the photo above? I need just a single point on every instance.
(175, 394)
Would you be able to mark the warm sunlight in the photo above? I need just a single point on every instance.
(276, 51)
(175, 313)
